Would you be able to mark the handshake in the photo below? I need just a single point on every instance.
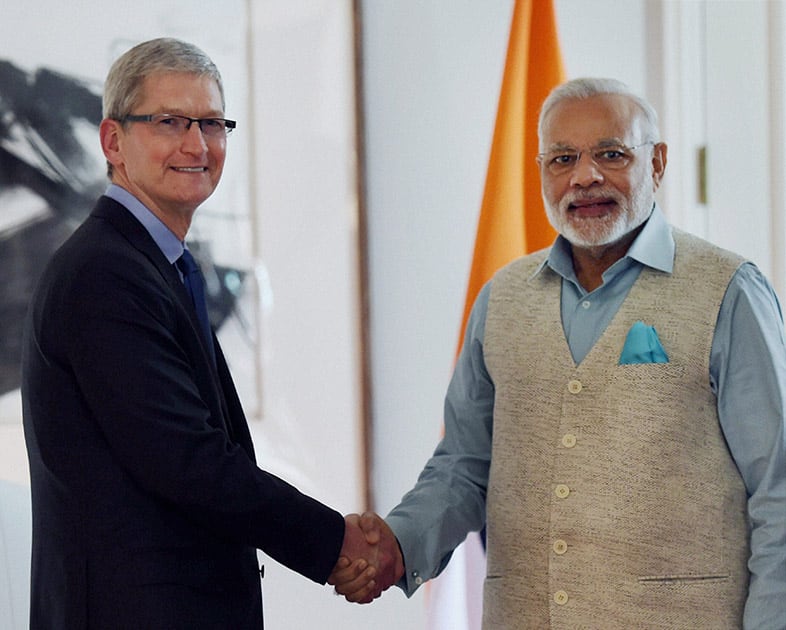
(370, 560)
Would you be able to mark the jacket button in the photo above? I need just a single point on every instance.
(574, 387)
(562, 491)
(560, 546)
(561, 598)
(568, 440)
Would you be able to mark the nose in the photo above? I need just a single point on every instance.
(585, 172)
(193, 140)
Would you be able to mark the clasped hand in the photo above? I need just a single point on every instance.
(370, 560)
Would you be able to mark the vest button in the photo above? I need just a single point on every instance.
(561, 598)
(560, 546)
(568, 440)
(574, 387)
(562, 491)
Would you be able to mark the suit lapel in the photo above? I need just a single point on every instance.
(139, 238)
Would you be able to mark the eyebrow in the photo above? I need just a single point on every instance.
(603, 142)
(177, 111)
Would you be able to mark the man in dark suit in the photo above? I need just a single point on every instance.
(148, 506)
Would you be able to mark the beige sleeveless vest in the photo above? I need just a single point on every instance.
(613, 501)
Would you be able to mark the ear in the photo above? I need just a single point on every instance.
(111, 134)
(659, 159)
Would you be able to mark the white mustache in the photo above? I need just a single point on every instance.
(597, 195)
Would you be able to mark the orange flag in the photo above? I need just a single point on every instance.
(512, 219)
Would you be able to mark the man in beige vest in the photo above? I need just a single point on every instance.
(634, 377)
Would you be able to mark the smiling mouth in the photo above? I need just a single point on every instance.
(591, 207)
(190, 169)
(580, 203)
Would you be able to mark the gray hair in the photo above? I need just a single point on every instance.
(577, 89)
(123, 86)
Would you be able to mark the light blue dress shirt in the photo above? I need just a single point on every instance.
(747, 374)
(171, 246)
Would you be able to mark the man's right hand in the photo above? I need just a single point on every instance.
(350, 576)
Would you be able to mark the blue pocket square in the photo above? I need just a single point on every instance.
(642, 346)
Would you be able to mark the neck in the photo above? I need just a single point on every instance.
(176, 217)
(590, 263)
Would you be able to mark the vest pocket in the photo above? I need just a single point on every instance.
(683, 579)
(685, 600)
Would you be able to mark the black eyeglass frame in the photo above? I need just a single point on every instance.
(229, 125)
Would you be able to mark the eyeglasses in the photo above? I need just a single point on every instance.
(176, 126)
(608, 157)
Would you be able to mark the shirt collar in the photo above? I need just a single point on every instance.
(653, 247)
(171, 246)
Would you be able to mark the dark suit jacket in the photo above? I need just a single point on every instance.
(148, 506)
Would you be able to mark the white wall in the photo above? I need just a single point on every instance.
(432, 78)
(739, 130)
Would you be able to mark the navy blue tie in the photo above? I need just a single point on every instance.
(195, 285)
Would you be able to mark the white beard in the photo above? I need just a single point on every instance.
(597, 231)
